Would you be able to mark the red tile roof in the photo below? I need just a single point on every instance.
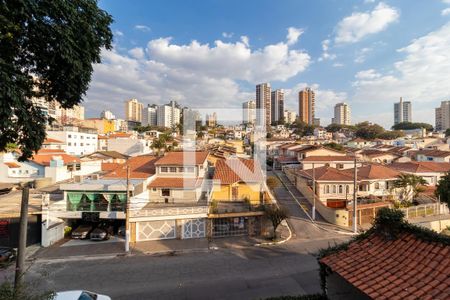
(327, 174)
(183, 158)
(140, 167)
(110, 166)
(433, 153)
(44, 159)
(237, 169)
(119, 135)
(52, 141)
(12, 165)
(422, 167)
(376, 153)
(373, 171)
(404, 268)
(327, 158)
(176, 183)
(49, 151)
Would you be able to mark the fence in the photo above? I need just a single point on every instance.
(425, 210)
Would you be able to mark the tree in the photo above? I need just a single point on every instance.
(411, 125)
(276, 215)
(368, 131)
(272, 182)
(47, 50)
(443, 189)
(410, 184)
(447, 132)
(334, 146)
(391, 135)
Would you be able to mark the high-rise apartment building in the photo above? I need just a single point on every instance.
(402, 111)
(211, 120)
(443, 116)
(289, 116)
(341, 114)
(107, 114)
(149, 115)
(263, 104)
(249, 112)
(306, 105)
(168, 115)
(133, 110)
(277, 105)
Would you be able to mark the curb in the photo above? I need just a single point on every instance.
(278, 242)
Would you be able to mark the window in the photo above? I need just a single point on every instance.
(377, 185)
(69, 136)
(327, 165)
(154, 189)
(163, 169)
(81, 144)
(69, 144)
(341, 189)
(334, 189)
(347, 189)
(173, 169)
(339, 166)
(180, 169)
(82, 137)
(27, 172)
(165, 192)
(74, 144)
(327, 189)
(14, 171)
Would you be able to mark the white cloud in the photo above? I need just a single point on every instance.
(325, 54)
(445, 12)
(137, 53)
(355, 27)
(293, 35)
(227, 35)
(142, 28)
(245, 40)
(362, 54)
(338, 65)
(196, 74)
(421, 76)
(118, 33)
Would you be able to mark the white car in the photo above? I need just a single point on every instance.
(79, 295)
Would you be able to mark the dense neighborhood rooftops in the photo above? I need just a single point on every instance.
(111, 154)
(404, 267)
(376, 153)
(237, 169)
(176, 183)
(140, 167)
(183, 158)
(433, 153)
(374, 171)
(44, 156)
(327, 158)
(422, 167)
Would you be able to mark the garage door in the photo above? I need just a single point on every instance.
(155, 230)
(194, 228)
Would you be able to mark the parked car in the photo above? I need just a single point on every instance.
(6, 254)
(81, 232)
(99, 234)
(79, 295)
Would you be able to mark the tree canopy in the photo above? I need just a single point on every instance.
(47, 50)
(411, 125)
(443, 189)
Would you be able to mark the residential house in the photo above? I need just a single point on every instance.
(360, 143)
(377, 156)
(334, 161)
(428, 170)
(314, 150)
(433, 155)
(77, 140)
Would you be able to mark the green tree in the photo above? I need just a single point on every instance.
(272, 182)
(334, 146)
(391, 135)
(410, 184)
(443, 189)
(47, 50)
(411, 125)
(276, 215)
(368, 131)
(447, 132)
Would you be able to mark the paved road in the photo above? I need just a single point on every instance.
(237, 272)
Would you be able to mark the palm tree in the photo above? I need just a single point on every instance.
(157, 144)
(410, 184)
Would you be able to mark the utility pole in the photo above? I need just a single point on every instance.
(21, 249)
(127, 214)
(314, 192)
(355, 190)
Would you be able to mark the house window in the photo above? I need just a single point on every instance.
(14, 171)
(154, 189)
(163, 169)
(69, 144)
(180, 169)
(327, 165)
(347, 189)
(82, 137)
(341, 189)
(377, 185)
(69, 136)
(334, 189)
(27, 172)
(339, 166)
(81, 144)
(173, 169)
(165, 192)
(327, 189)
(190, 169)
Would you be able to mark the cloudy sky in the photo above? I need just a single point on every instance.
(211, 54)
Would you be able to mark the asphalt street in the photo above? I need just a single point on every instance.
(239, 272)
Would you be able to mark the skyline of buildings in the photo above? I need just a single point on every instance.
(277, 105)
(442, 117)
(249, 112)
(133, 110)
(402, 111)
(263, 104)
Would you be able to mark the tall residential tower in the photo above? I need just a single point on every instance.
(277, 105)
(443, 116)
(341, 114)
(402, 111)
(133, 110)
(263, 104)
(306, 105)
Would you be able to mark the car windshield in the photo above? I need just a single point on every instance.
(87, 296)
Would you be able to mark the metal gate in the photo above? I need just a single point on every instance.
(155, 230)
(194, 228)
(223, 227)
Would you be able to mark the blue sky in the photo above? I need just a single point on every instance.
(212, 53)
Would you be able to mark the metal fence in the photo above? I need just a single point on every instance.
(425, 210)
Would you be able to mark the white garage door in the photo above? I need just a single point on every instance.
(155, 230)
(194, 228)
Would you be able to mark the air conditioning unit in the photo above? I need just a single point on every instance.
(78, 178)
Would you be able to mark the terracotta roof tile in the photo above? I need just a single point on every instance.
(52, 141)
(12, 165)
(327, 174)
(183, 158)
(44, 156)
(328, 158)
(433, 153)
(374, 171)
(237, 169)
(404, 268)
(176, 183)
(422, 167)
(140, 167)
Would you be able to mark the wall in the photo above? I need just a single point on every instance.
(53, 234)
(249, 190)
(128, 146)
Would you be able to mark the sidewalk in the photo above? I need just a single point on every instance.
(170, 246)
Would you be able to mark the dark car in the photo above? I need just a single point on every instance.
(6, 254)
(99, 234)
(121, 231)
(81, 232)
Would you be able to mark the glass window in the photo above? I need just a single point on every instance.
(163, 169)
(69, 144)
(347, 189)
(377, 185)
(165, 192)
(327, 189)
(173, 169)
(334, 189)
(190, 169)
(341, 189)
(180, 169)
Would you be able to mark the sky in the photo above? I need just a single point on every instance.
(211, 54)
